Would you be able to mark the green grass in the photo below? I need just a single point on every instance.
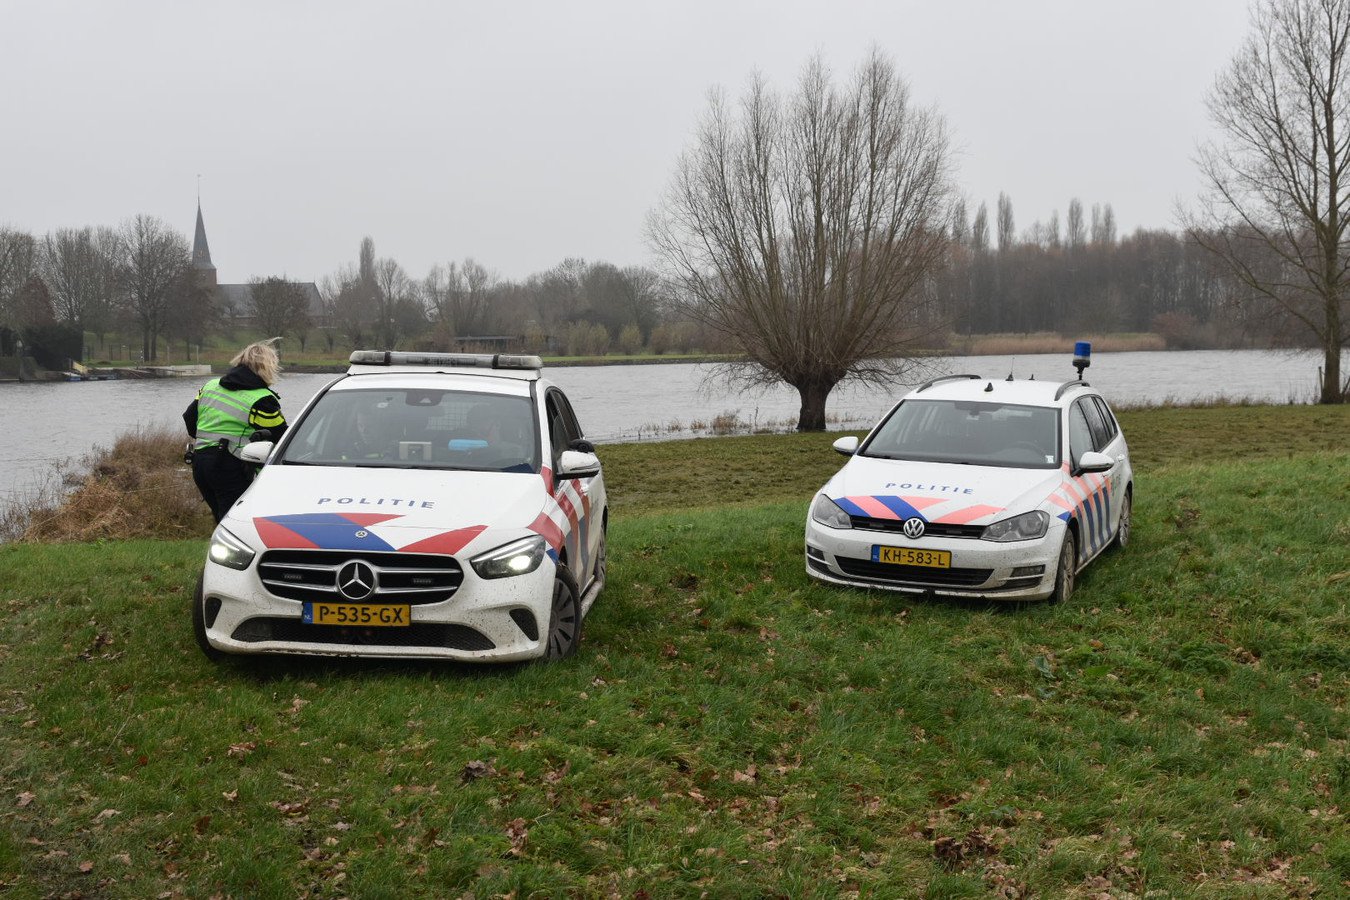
(731, 727)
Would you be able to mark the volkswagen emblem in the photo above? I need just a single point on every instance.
(914, 527)
(356, 580)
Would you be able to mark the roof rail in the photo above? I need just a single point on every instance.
(927, 384)
(445, 360)
(1068, 384)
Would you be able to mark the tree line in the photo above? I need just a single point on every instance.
(137, 279)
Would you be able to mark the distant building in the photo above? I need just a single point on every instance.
(236, 299)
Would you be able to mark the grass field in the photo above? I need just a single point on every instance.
(730, 728)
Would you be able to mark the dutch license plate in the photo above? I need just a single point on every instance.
(911, 556)
(363, 614)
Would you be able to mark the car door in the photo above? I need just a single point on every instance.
(1106, 438)
(565, 433)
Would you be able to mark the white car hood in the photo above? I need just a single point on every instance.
(413, 510)
(938, 492)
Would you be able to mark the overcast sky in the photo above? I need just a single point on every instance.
(523, 132)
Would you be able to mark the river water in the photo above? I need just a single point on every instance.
(51, 423)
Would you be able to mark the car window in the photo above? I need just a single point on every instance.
(406, 428)
(1080, 434)
(972, 432)
(569, 417)
(1101, 435)
(560, 424)
(1109, 418)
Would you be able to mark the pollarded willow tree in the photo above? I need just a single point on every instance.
(805, 228)
(1278, 186)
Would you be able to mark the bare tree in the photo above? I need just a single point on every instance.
(804, 228)
(1077, 232)
(192, 312)
(79, 274)
(457, 296)
(348, 304)
(1278, 187)
(18, 257)
(1007, 232)
(979, 231)
(1103, 224)
(280, 307)
(398, 312)
(150, 256)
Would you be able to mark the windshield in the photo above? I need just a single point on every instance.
(421, 429)
(972, 432)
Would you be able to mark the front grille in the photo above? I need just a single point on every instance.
(897, 526)
(419, 634)
(412, 578)
(920, 576)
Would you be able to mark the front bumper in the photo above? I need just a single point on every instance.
(1017, 570)
(484, 620)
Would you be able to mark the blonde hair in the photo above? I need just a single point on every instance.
(262, 358)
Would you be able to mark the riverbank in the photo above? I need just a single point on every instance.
(730, 727)
(317, 362)
(140, 488)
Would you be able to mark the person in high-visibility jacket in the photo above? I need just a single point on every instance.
(229, 412)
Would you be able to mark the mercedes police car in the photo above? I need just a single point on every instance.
(972, 487)
(423, 505)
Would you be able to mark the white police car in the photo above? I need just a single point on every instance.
(422, 505)
(971, 487)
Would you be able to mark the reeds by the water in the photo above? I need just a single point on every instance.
(138, 488)
(1052, 342)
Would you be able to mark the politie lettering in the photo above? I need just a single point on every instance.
(939, 488)
(378, 501)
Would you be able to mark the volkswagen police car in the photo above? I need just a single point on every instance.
(422, 505)
(972, 487)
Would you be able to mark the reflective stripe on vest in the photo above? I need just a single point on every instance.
(223, 416)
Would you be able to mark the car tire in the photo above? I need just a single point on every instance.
(564, 622)
(1122, 538)
(199, 624)
(1066, 568)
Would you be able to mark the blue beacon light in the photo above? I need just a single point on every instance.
(1082, 356)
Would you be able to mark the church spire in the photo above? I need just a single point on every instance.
(201, 253)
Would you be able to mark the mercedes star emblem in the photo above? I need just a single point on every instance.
(356, 580)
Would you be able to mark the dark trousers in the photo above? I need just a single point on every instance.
(221, 478)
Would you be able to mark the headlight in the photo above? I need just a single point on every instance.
(228, 550)
(827, 513)
(1026, 527)
(515, 558)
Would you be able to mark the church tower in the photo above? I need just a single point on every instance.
(203, 270)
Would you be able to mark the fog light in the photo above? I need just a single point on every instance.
(1023, 571)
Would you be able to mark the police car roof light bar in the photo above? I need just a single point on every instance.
(1082, 356)
(444, 360)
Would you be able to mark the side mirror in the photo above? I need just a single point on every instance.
(1092, 461)
(847, 445)
(578, 464)
(582, 444)
(256, 452)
